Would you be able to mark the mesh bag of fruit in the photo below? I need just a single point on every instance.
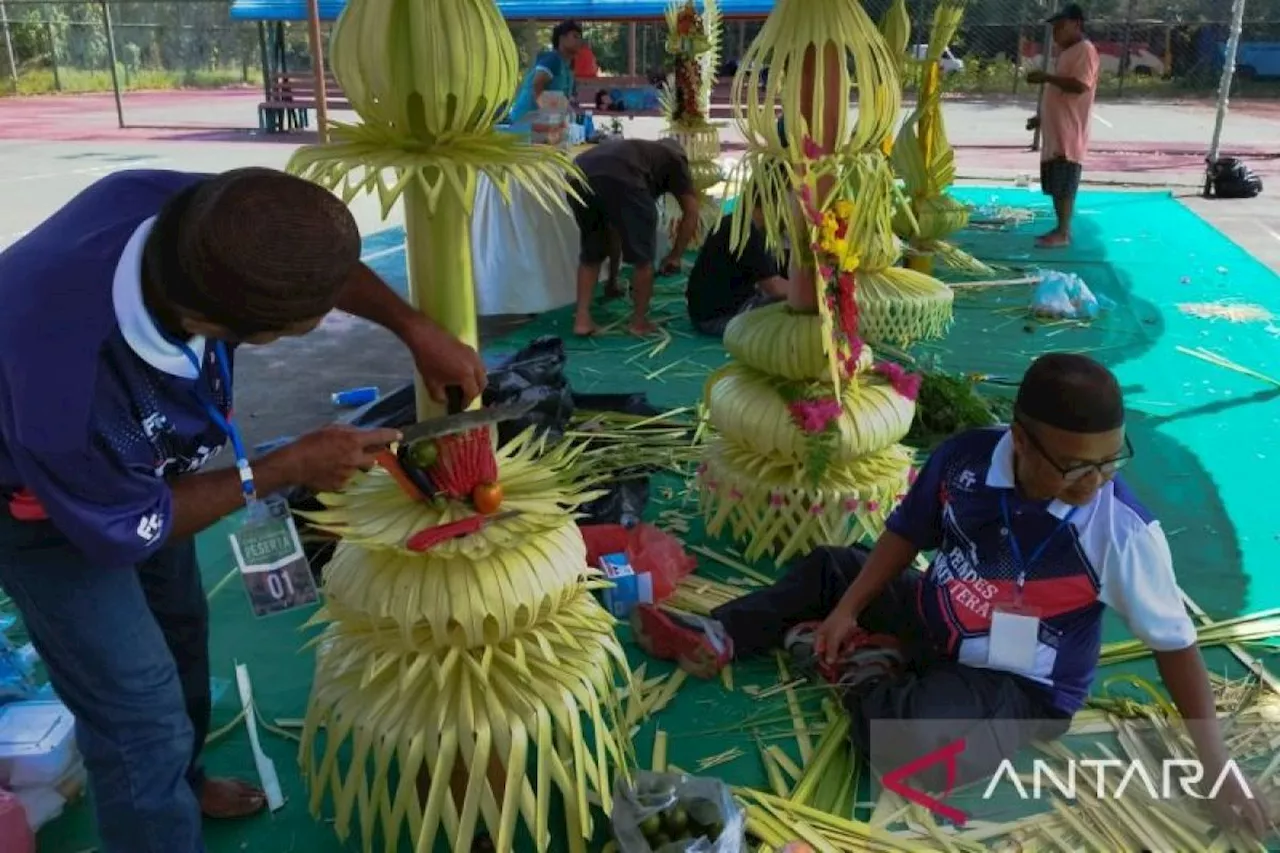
(674, 813)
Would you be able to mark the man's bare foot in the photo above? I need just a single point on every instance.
(1053, 240)
(642, 327)
(585, 328)
(230, 798)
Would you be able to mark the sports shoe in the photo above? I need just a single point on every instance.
(864, 655)
(699, 645)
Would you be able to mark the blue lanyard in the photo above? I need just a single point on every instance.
(1019, 563)
(222, 421)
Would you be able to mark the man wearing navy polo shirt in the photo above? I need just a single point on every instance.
(121, 317)
(1032, 537)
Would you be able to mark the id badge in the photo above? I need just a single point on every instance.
(1014, 638)
(272, 564)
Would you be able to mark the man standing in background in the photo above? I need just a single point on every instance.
(552, 71)
(1064, 118)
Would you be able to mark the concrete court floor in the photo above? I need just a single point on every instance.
(50, 148)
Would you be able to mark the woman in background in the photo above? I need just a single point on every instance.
(552, 71)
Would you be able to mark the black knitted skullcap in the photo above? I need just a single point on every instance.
(1071, 392)
(257, 250)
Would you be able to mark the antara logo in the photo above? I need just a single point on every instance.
(1183, 774)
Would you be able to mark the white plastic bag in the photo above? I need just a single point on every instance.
(661, 806)
(1065, 295)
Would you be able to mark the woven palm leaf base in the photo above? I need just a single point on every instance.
(759, 483)
(461, 688)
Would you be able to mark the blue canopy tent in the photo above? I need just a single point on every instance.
(272, 15)
(521, 10)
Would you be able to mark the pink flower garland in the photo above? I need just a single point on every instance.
(814, 416)
(906, 384)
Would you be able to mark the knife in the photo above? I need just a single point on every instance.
(459, 421)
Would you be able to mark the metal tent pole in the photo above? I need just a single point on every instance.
(111, 57)
(1224, 93)
(8, 45)
(317, 61)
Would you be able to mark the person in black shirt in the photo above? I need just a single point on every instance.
(724, 284)
(618, 208)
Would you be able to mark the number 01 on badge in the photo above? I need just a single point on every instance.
(272, 564)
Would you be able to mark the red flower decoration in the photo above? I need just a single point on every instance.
(812, 150)
(814, 416)
(906, 384)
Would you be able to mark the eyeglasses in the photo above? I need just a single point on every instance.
(1105, 468)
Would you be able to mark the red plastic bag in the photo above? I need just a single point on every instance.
(648, 549)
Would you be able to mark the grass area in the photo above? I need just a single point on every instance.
(42, 81)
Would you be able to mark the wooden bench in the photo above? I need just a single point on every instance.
(290, 95)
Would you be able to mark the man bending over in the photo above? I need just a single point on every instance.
(1033, 536)
(619, 209)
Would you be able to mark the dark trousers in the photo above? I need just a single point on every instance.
(1060, 178)
(929, 705)
(715, 326)
(127, 651)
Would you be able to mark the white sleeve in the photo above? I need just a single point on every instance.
(1138, 582)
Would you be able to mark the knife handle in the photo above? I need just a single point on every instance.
(453, 399)
(425, 540)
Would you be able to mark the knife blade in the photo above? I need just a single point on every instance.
(449, 424)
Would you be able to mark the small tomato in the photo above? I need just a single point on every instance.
(487, 497)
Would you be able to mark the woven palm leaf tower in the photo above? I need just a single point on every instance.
(807, 423)
(693, 51)
(925, 160)
(468, 684)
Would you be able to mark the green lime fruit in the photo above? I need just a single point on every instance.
(651, 825)
(675, 820)
(423, 453)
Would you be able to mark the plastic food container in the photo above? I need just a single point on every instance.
(37, 743)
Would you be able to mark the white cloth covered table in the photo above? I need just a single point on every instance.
(525, 257)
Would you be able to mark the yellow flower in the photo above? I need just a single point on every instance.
(839, 248)
(844, 210)
(850, 262)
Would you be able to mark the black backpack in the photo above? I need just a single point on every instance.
(1233, 179)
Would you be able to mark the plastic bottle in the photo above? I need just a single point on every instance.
(355, 396)
(15, 834)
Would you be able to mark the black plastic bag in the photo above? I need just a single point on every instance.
(535, 375)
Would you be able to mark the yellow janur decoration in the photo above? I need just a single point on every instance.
(693, 48)
(925, 160)
(467, 685)
(808, 425)
(485, 660)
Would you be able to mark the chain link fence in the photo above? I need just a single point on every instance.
(49, 47)
(1149, 48)
(1159, 49)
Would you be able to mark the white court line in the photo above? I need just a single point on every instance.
(1269, 231)
(104, 169)
(1098, 117)
(381, 253)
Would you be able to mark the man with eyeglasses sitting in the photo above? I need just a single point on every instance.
(1032, 536)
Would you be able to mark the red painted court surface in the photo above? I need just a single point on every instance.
(1129, 130)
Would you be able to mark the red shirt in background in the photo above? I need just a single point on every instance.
(584, 64)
